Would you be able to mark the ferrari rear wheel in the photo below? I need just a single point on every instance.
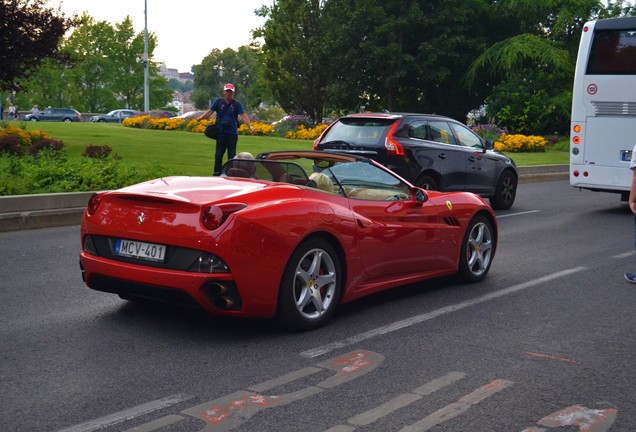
(311, 286)
(477, 251)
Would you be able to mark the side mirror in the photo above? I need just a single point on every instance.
(489, 144)
(419, 195)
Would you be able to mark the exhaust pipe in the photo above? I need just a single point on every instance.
(215, 289)
(223, 302)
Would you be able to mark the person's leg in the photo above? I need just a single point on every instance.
(231, 146)
(221, 145)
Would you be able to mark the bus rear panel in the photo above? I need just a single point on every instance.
(603, 128)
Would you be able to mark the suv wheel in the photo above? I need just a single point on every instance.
(505, 193)
(67, 120)
(426, 182)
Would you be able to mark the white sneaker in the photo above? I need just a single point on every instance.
(630, 277)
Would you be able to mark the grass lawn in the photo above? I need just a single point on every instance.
(192, 153)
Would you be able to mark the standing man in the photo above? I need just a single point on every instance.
(227, 110)
(631, 277)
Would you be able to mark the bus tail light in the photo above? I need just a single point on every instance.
(576, 139)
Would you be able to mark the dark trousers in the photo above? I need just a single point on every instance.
(224, 142)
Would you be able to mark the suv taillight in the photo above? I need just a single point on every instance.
(393, 148)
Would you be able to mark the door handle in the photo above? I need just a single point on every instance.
(442, 155)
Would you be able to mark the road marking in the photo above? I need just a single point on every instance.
(587, 420)
(518, 214)
(403, 400)
(550, 357)
(157, 424)
(624, 255)
(398, 325)
(231, 411)
(131, 413)
(455, 409)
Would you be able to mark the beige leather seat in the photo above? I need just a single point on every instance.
(322, 182)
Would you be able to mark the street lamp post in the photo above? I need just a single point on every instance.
(146, 62)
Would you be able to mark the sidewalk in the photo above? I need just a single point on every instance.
(21, 212)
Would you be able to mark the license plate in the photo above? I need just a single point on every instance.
(140, 250)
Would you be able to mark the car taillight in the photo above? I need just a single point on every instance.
(393, 148)
(317, 140)
(213, 216)
(93, 204)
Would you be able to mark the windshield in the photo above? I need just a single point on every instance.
(359, 131)
(357, 179)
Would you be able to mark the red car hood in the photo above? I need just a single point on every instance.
(194, 190)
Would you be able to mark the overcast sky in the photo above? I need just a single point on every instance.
(187, 30)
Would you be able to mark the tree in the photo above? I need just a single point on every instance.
(220, 67)
(405, 56)
(29, 33)
(295, 61)
(530, 64)
(103, 72)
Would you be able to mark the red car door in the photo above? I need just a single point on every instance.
(399, 236)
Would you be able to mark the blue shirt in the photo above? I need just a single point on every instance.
(227, 115)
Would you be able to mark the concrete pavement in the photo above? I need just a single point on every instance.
(21, 212)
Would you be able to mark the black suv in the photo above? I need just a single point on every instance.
(430, 151)
(55, 114)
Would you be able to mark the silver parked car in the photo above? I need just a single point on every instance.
(55, 115)
(115, 116)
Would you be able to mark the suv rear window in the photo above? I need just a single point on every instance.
(363, 131)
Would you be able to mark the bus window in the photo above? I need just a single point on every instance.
(613, 52)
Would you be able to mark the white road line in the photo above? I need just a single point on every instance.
(398, 325)
(517, 214)
(131, 413)
(624, 255)
(455, 409)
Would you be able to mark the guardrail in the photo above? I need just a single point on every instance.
(19, 212)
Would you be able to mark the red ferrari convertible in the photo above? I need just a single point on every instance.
(290, 234)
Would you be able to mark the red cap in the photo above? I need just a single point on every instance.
(228, 86)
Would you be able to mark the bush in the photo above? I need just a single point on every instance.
(489, 131)
(290, 123)
(260, 129)
(521, 143)
(49, 173)
(97, 151)
(46, 144)
(303, 133)
(10, 144)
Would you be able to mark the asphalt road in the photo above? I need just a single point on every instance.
(545, 343)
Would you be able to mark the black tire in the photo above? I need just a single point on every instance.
(427, 182)
(478, 250)
(101, 121)
(67, 120)
(33, 119)
(311, 286)
(505, 192)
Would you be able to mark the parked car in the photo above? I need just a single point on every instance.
(268, 238)
(115, 116)
(55, 114)
(432, 152)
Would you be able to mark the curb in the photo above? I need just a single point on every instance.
(21, 212)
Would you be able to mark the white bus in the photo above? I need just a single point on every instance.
(603, 129)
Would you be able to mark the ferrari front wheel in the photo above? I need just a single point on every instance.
(311, 286)
(478, 249)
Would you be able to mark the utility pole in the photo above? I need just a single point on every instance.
(146, 62)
